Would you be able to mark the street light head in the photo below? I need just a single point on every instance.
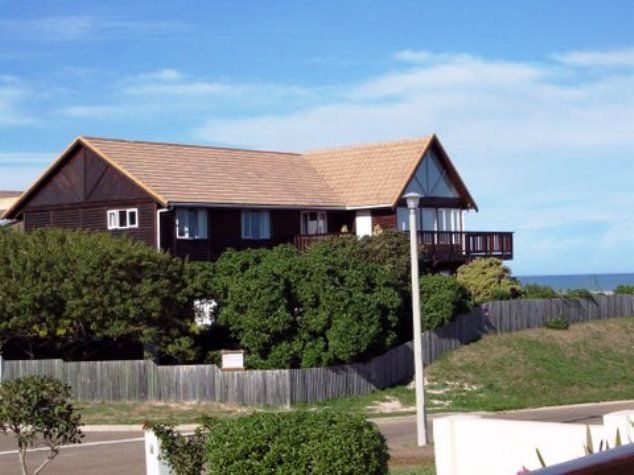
(413, 199)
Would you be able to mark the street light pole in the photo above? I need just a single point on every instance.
(413, 200)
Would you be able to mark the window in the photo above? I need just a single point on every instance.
(313, 222)
(123, 218)
(432, 219)
(431, 179)
(191, 223)
(256, 224)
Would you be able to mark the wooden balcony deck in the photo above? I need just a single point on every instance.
(445, 245)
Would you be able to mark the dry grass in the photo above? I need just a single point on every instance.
(139, 412)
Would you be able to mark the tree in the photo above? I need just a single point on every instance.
(488, 279)
(70, 289)
(37, 407)
(292, 309)
(442, 299)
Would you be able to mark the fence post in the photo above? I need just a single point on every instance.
(154, 466)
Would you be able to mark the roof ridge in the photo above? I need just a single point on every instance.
(175, 144)
(371, 144)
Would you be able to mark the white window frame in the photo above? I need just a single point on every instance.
(250, 236)
(200, 235)
(128, 212)
(301, 222)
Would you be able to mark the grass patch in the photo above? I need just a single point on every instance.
(586, 363)
(428, 468)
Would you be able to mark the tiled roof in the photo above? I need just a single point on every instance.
(194, 174)
(354, 176)
(372, 174)
(369, 175)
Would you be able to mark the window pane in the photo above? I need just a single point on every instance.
(202, 224)
(123, 221)
(254, 219)
(429, 219)
(246, 229)
(402, 219)
(265, 224)
(321, 223)
(132, 218)
(182, 218)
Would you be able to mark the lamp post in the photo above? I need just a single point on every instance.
(413, 200)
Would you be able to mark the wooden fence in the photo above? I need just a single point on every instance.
(145, 381)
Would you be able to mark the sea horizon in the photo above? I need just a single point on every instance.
(598, 282)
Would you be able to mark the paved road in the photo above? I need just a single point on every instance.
(101, 453)
(107, 453)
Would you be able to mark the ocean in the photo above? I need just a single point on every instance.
(593, 282)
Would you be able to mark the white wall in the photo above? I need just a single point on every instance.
(363, 223)
(473, 445)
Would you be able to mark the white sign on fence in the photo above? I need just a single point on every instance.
(232, 360)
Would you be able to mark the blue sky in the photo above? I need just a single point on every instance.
(533, 100)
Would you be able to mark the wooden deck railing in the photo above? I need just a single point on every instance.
(450, 245)
(444, 245)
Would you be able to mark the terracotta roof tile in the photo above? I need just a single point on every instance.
(354, 176)
(372, 174)
(195, 174)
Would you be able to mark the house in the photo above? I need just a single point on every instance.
(7, 200)
(197, 201)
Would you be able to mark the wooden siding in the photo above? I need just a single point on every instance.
(384, 217)
(143, 380)
(79, 193)
(225, 231)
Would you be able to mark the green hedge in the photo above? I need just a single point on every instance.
(442, 298)
(296, 442)
(293, 309)
(488, 279)
(624, 290)
(536, 291)
(66, 290)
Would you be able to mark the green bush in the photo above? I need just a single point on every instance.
(293, 309)
(184, 454)
(578, 294)
(488, 279)
(296, 442)
(624, 290)
(536, 291)
(442, 298)
(558, 323)
(69, 289)
(38, 409)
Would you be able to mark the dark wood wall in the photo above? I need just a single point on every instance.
(384, 217)
(224, 231)
(79, 194)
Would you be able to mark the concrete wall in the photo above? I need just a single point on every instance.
(472, 444)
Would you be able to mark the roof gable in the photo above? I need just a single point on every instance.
(369, 175)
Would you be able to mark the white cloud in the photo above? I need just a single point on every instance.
(613, 58)
(171, 82)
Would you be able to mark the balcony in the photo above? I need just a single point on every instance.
(442, 246)
(457, 246)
